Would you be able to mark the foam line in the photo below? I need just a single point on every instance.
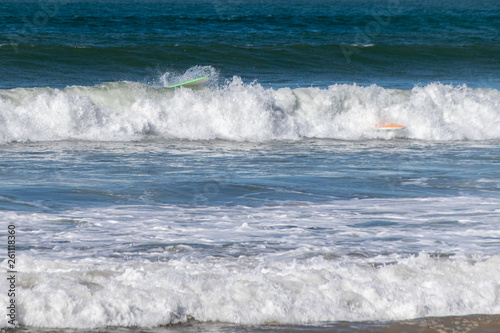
(97, 293)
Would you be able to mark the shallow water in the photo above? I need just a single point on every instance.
(151, 233)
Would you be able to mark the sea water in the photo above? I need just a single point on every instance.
(269, 196)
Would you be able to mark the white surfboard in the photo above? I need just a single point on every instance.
(193, 83)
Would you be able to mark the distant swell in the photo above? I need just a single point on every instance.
(297, 54)
(235, 111)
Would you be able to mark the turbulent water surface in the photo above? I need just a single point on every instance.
(268, 198)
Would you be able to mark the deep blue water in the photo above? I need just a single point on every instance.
(393, 43)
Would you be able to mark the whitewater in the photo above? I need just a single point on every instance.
(142, 206)
(238, 111)
(288, 264)
(295, 232)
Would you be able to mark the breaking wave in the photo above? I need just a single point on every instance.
(89, 294)
(238, 111)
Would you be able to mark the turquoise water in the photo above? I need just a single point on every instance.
(267, 196)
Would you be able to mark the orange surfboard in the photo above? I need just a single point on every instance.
(389, 126)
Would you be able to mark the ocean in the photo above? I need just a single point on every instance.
(267, 200)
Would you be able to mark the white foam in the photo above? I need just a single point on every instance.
(454, 225)
(100, 292)
(290, 263)
(246, 112)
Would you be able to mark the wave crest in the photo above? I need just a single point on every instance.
(125, 111)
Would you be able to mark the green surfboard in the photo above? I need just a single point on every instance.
(193, 83)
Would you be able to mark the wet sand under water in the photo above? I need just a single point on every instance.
(471, 323)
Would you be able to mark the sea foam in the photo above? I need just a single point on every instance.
(139, 266)
(96, 292)
(125, 111)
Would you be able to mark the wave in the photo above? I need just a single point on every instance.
(273, 50)
(97, 293)
(234, 110)
(354, 58)
(289, 263)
